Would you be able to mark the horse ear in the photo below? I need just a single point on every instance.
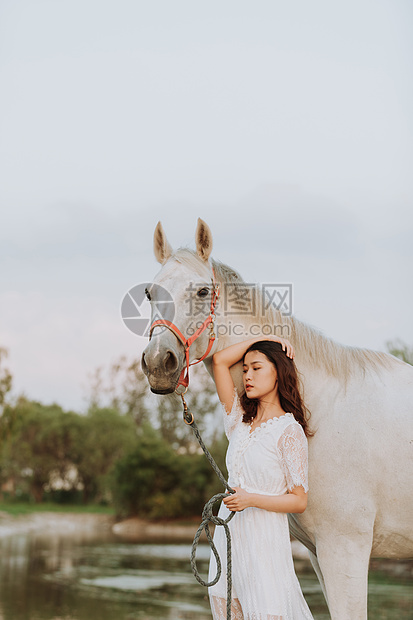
(161, 247)
(203, 238)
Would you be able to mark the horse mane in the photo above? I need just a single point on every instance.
(340, 361)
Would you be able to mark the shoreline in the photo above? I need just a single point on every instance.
(53, 523)
(133, 530)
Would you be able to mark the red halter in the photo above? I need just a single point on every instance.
(187, 342)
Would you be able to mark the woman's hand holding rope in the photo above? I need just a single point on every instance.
(238, 501)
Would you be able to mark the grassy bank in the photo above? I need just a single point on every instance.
(26, 508)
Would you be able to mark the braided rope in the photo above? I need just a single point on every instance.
(208, 517)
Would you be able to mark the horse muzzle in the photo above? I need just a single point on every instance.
(162, 367)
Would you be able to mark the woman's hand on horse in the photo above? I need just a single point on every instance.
(238, 501)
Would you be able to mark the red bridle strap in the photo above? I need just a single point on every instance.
(187, 342)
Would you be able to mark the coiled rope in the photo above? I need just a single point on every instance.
(208, 517)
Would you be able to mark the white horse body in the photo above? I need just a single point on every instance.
(361, 455)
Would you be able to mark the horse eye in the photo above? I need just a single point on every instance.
(203, 292)
(148, 295)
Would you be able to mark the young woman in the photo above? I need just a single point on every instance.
(267, 467)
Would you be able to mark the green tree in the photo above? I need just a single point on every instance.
(401, 350)
(148, 470)
(37, 446)
(154, 481)
(103, 436)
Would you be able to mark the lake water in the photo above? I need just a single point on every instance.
(85, 578)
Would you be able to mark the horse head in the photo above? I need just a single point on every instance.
(176, 336)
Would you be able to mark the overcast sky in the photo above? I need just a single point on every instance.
(287, 126)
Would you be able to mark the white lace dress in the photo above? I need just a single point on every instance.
(270, 460)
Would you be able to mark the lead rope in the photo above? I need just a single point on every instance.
(209, 517)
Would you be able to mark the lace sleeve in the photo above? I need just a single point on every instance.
(232, 418)
(293, 449)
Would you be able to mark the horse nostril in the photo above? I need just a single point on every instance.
(170, 362)
(143, 364)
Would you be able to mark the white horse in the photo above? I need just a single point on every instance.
(361, 403)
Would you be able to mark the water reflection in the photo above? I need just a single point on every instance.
(84, 577)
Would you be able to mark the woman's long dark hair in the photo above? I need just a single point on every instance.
(290, 398)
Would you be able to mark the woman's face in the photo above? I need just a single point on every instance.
(259, 374)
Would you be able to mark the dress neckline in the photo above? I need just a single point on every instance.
(268, 422)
